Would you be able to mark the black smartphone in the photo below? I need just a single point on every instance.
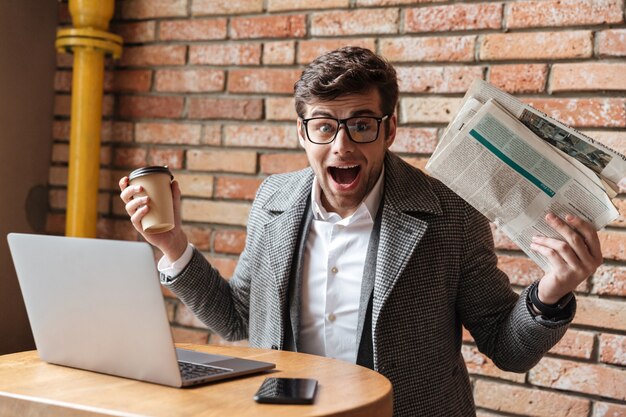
(286, 391)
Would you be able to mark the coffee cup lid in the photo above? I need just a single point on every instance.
(155, 169)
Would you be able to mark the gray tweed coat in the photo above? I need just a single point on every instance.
(435, 271)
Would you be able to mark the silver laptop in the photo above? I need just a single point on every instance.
(96, 304)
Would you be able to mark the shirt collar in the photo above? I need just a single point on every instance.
(370, 204)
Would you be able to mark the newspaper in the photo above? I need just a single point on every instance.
(490, 157)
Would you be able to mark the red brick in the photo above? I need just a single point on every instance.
(148, 9)
(57, 175)
(210, 108)
(262, 80)
(218, 212)
(610, 280)
(131, 81)
(280, 108)
(136, 32)
(185, 317)
(430, 49)
(588, 76)
(279, 53)
(553, 13)
(479, 364)
(501, 240)
(419, 162)
(61, 129)
(173, 158)
(613, 349)
(57, 199)
(222, 161)
(611, 42)
(521, 271)
(392, 2)
(192, 81)
(261, 136)
(64, 13)
(192, 29)
(621, 207)
(226, 266)
(602, 313)
(199, 236)
(235, 188)
(415, 140)
(526, 401)
(117, 132)
(61, 152)
(150, 106)
(519, 78)
(176, 133)
(226, 54)
(195, 185)
(355, 22)
(428, 109)
(196, 337)
(286, 26)
(453, 17)
(212, 135)
(284, 5)
(310, 49)
(579, 377)
(211, 7)
(584, 112)
(536, 45)
(153, 55)
(613, 244)
(575, 343)
(601, 409)
(116, 229)
(229, 241)
(55, 224)
(63, 81)
(130, 157)
(65, 60)
(277, 163)
(437, 79)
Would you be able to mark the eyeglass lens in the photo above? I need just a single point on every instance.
(360, 129)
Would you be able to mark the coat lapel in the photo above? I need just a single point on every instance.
(408, 196)
(281, 233)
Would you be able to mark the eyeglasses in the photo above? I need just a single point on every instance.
(360, 129)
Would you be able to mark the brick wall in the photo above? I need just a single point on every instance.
(205, 87)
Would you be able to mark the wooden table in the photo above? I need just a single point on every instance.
(31, 387)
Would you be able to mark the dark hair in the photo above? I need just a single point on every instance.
(347, 70)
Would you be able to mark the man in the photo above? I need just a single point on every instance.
(363, 258)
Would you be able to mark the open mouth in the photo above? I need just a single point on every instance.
(344, 175)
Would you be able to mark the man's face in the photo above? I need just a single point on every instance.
(345, 170)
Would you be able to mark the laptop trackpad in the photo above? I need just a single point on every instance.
(199, 357)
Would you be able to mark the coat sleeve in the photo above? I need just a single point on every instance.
(499, 320)
(223, 305)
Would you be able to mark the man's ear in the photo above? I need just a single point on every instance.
(391, 134)
(300, 129)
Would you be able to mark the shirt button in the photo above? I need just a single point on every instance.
(331, 317)
(334, 270)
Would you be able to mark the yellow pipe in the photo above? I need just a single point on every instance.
(89, 42)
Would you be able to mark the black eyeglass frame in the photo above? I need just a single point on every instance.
(340, 122)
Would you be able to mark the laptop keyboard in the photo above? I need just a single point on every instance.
(190, 370)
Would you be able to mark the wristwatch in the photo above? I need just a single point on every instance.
(548, 310)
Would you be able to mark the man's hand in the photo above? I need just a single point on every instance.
(572, 259)
(173, 242)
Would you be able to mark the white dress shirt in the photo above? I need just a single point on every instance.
(334, 260)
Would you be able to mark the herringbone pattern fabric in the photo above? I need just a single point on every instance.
(435, 270)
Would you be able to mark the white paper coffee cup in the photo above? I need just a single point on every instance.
(156, 182)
